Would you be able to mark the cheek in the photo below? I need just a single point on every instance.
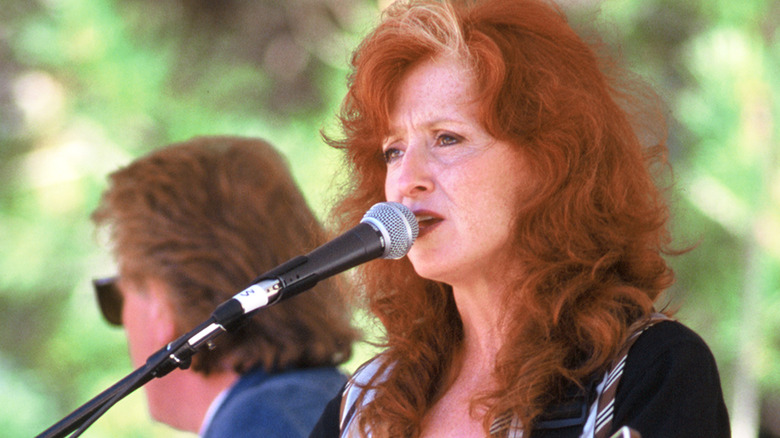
(391, 188)
(134, 320)
(127, 313)
(468, 188)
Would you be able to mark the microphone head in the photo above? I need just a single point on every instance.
(397, 225)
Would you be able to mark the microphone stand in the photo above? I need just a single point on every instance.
(177, 354)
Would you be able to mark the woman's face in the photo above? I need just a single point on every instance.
(462, 184)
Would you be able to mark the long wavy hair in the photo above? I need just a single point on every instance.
(591, 240)
(207, 216)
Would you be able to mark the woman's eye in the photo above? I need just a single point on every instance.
(392, 154)
(447, 139)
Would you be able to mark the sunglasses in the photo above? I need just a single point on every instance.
(109, 298)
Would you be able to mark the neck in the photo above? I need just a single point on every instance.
(479, 309)
(186, 397)
(471, 372)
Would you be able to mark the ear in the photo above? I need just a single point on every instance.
(163, 323)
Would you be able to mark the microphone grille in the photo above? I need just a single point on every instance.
(397, 225)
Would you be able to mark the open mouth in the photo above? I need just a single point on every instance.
(427, 222)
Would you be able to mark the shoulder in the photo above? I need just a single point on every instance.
(291, 383)
(670, 353)
(669, 338)
(671, 385)
(345, 405)
(366, 372)
(285, 404)
(363, 379)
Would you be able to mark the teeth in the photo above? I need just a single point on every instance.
(424, 218)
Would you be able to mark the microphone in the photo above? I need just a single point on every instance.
(387, 230)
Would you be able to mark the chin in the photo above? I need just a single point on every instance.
(428, 271)
(159, 405)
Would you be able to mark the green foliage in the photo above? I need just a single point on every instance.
(85, 86)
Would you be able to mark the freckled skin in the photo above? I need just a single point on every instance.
(442, 161)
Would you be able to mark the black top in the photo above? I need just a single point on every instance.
(670, 388)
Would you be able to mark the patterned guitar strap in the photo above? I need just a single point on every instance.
(508, 425)
(606, 402)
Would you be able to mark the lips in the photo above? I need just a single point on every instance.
(427, 221)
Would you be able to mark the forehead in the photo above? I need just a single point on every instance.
(438, 75)
(132, 284)
(434, 86)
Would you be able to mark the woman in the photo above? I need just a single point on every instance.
(541, 237)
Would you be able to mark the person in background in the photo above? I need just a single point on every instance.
(526, 307)
(191, 225)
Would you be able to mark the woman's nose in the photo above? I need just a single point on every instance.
(412, 176)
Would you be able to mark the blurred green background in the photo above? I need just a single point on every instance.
(87, 85)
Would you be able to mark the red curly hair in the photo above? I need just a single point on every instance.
(591, 240)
